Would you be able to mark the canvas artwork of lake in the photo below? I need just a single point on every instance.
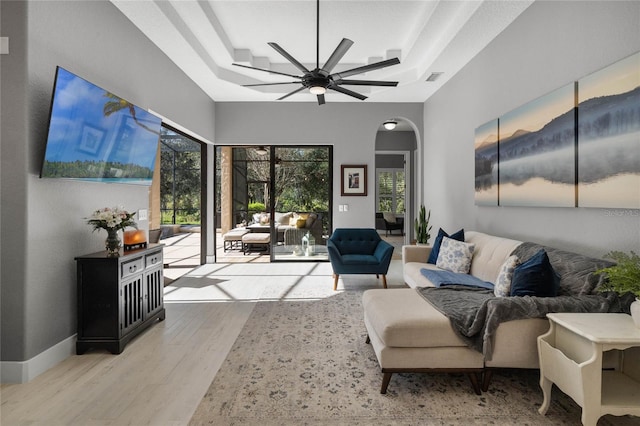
(486, 159)
(609, 136)
(537, 152)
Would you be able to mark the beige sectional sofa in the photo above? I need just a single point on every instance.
(408, 334)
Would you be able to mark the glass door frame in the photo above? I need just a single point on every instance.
(272, 187)
(203, 187)
(272, 192)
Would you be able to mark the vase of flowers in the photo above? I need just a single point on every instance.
(112, 220)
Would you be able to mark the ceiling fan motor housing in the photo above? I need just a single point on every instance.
(315, 78)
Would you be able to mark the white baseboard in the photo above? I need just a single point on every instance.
(25, 371)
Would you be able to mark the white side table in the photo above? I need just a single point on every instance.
(571, 357)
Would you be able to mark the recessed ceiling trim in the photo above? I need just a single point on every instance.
(202, 38)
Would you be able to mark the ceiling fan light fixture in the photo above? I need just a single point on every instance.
(261, 150)
(318, 90)
(390, 124)
(319, 79)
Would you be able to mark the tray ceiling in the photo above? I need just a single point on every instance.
(204, 38)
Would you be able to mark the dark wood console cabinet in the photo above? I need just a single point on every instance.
(118, 297)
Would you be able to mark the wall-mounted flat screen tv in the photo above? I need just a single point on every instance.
(96, 136)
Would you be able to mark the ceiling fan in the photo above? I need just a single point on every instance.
(319, 80)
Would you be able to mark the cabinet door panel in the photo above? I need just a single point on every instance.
(154, 288)
(98, 310)
(131, 298)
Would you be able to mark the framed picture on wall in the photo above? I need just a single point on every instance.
(354, 180)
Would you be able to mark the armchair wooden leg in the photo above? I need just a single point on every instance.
(386, 378)
(384, 281)
(335, 281)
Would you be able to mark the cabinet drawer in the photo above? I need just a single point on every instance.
(154, 259)
(132, 267)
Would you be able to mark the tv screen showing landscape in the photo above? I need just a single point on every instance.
(97, 136)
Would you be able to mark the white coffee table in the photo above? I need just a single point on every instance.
(571, 357)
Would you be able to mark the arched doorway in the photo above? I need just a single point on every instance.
(396, 180)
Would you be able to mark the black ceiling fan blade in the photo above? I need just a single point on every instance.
(367, 83)
(269, 71)
(320, 99)
(382, 64)
(290, 58)
(347, 92)
(270, 84)
(291, 93)
(337, 54)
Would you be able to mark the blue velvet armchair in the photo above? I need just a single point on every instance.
(359, 251)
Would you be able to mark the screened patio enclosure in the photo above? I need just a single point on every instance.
(274, 200)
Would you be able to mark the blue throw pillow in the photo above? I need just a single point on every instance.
(535, 277)
(433, 256)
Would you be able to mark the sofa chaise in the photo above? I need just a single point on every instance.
(409, 334)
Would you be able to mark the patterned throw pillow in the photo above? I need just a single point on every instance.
(502, 287)
(455, 256)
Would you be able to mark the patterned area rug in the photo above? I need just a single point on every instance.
(306, 362)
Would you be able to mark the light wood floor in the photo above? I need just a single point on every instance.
(159, 379)
(163, 374)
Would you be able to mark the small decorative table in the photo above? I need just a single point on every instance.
(571, 354)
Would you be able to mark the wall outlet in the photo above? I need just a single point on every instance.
(346, 207)
(142, 214)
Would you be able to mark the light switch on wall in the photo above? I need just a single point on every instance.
(346, 207)
(142, 214)
(340, 208)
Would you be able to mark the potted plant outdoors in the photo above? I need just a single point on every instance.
(422, 227)
(624, 277)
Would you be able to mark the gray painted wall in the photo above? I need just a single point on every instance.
(43, 226)
(350, 127)
(551, 44)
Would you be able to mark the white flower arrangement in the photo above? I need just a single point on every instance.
(115, 218)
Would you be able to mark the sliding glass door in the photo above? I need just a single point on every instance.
(302, 202)
(176, 205)
(279, 192)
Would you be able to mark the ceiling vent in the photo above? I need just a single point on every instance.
(434, 76)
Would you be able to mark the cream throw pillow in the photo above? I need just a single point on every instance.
(455, 256)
